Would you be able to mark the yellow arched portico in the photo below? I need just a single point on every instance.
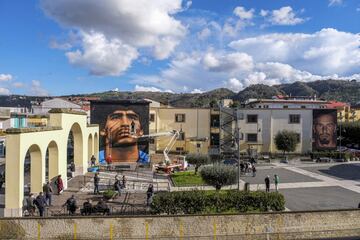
(37, 141)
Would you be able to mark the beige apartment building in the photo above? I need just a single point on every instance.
(198, 127)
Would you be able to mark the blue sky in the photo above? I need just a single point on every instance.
(82, 46)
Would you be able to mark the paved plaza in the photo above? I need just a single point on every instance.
(306, 186)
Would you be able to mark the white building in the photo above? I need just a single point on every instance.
(258, 128)
(44, 107)
(286, 102)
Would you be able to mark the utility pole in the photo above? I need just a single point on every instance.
(340, 132)
(237, 139)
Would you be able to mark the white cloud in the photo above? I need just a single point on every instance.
(196, 91)
(102, 56)
(57, 45)
(18, 85)
(37, 90)
(358, 9)
(113, 31)
(335, 2)
(243, 14)
(5, 77)
(204, 34)
(282, 16)
(264, 13)
(234, 84)
(139, 88)
(228, 62)
(326, 52)
(4, 91)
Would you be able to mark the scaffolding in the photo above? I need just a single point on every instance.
(228, 133)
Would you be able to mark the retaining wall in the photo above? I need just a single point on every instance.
(284, 225)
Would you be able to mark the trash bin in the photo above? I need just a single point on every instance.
(247, 187)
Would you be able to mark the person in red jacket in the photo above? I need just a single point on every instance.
(59, 184)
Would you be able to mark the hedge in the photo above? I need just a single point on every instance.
(229, 201)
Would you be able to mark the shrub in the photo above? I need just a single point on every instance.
(108, 194)
(197, 160)
(219, 175)
(195, 202)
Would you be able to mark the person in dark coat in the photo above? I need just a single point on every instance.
(40, 203)
(71, 205)
(87, 208)
(149, 193)
(254, 170)
(267, 183)
(2, 180)
(96, 183)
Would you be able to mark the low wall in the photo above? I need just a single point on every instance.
(284, 225)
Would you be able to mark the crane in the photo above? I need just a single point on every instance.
(168, 166)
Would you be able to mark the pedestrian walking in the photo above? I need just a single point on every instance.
(117, 186)
(59, 184)
(48, 191)
(246, 168)
(40, 203)
(267, 183)
(254, 171)
(109, 161)
(96, 183)
(71, 205)
(30, 204)
(93, 160)
(149, 194)
(124, 181)
(242, 166)
(276, 180)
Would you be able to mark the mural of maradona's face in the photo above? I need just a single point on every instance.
(325, 129)
(122, 128)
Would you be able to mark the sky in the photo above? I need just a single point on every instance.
(65, 47)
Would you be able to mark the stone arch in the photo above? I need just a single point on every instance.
(78, 146)
(90, 147)
(37, 168)
(53, 160)
(96, 146)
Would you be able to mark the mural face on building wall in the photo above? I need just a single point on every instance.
(324, 129)
(122, 124)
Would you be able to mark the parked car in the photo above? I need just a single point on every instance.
(230, 162)
(323, 159)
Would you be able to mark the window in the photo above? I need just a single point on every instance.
(259, 106)
(198, 145)
(252, 137)
(266, 106)
(214, 139)
(179, 117)
(294, 118)
(285, 106)
(303, 106)
(181, 136)
(179, 149)
(151, 141)
(152, 117)
(252, 118)
(215, 121)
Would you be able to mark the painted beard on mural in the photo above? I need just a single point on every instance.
(121, 132)
(324, 130)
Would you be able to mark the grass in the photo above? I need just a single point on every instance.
(187, 179)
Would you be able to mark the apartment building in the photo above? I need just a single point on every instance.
(258, 128)
(199, 128)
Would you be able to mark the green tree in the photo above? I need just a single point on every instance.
(286, 141)
(197, 160)
(218, 175)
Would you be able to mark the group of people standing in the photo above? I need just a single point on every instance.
(43, 199)
(276, 181)
(248, 167)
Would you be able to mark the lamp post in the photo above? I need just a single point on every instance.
(340, 117)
